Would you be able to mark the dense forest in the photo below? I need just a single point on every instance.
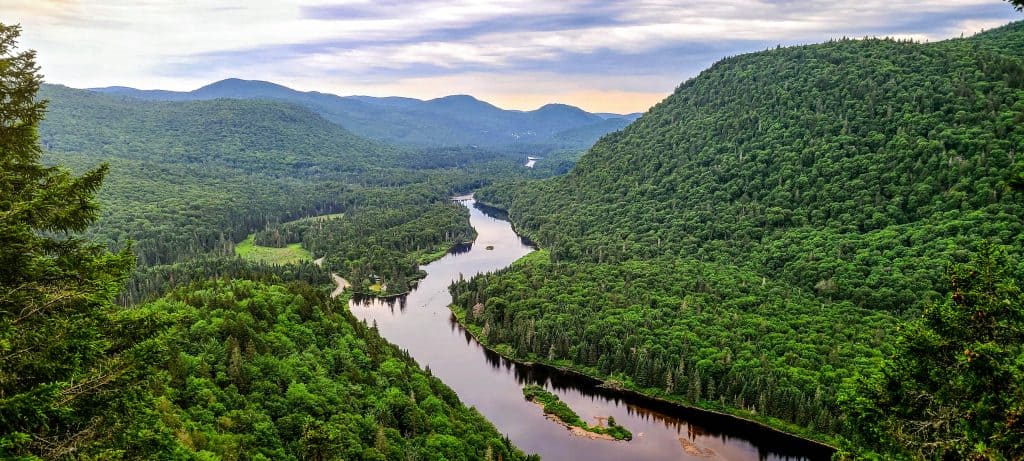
(228, 359)
(189, 180)
(752, 242)
(379, 249)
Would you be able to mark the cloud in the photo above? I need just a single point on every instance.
(640, 47)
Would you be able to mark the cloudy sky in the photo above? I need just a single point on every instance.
(616, 56)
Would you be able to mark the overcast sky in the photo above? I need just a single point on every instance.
(615, 56)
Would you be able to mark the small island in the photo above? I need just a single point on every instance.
(561, 412)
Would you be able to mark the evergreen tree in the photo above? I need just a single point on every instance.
(55, 290)
(955, 387)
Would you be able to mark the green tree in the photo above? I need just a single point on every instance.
(955, 387)
(55, 290)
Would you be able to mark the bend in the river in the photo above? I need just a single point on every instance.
(422, 323)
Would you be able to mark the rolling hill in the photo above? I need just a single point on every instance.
(751, 242)
(458, 120)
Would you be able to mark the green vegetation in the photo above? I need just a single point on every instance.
(554, 406)
(379, 248)
(63, 367)
(289, 254)
(219, 367)
(190, 179)
(752, 242)
(281, 372)
(955, 387)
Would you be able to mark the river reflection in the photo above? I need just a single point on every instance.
(421, 323)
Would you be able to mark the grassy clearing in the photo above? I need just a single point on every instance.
(290, 254)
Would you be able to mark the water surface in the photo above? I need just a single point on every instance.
(422, 323)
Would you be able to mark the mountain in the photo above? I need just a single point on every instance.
(630, 117)
(447, 121)
(192, 177)
(750, 243)
(264, 136)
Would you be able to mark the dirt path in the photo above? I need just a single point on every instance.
(341, 283)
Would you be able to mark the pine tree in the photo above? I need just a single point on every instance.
(56, 291)
(955, 387)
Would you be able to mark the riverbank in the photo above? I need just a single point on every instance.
(559, 411)
(654, 395)
(617, 388)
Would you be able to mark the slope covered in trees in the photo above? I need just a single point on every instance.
(806, 192)
(193, 177)
(217, 369)
(457, 120)
(249, 370)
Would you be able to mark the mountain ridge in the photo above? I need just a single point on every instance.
(452, 120)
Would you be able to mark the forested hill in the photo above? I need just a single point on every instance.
(458, 120)
(190, 177)
(847, 162)
(758, 234)
(264, 136)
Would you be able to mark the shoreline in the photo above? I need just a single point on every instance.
(575, 430)
(613, 388)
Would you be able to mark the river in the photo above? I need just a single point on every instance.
(421, 323)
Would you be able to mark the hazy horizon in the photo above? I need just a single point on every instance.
(618, 57)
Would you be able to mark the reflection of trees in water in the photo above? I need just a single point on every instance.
(370, 302)
(460, 248)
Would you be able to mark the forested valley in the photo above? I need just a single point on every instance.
(752, 243)
(824, 239)
(172, 347)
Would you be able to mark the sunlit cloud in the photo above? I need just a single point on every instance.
(593, 53)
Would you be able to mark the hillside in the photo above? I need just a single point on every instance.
(255, 136)
(457, 120)
(191, 177)
(758, 233)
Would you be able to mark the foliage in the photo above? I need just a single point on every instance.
(263, 371)
(813, 191)
(59, 362)
(686, 330)
(193, 177)
(380, 245)
(955, 387)
(555, 406)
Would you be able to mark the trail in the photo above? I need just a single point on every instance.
(341, 283)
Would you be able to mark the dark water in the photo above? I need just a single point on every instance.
(421, 323)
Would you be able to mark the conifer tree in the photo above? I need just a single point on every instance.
(955, 387)
(56, 290)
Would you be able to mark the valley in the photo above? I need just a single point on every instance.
(421, 323)
(809, 252)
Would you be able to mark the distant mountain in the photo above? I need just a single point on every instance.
(256, 135)
(630, 117)
(447, 121)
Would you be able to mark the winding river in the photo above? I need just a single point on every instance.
(421, 323)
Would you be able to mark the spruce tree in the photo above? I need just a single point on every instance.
(955, 387)
(56, 290)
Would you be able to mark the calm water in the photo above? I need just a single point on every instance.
(421, 323)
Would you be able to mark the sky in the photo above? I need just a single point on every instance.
(604, 56)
